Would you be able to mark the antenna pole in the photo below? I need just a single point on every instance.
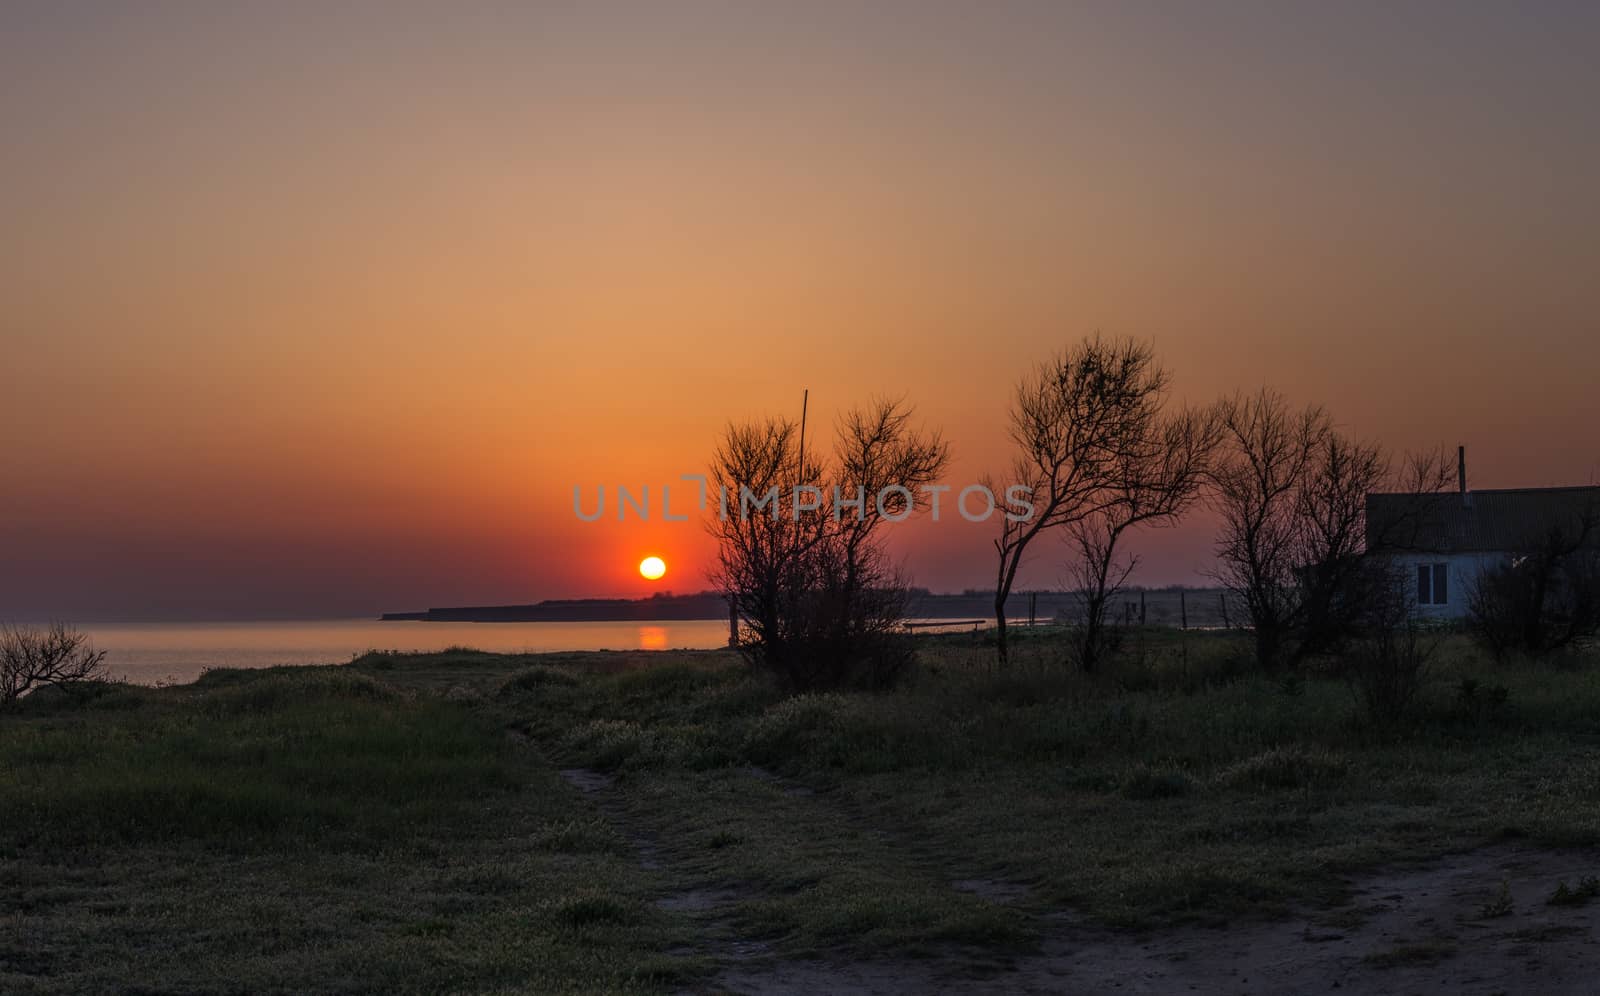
(805, 401)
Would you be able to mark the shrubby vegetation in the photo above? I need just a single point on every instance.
(1188, 783)
(1387, 662)
(56, 656)
(1205, 710)
(1546, 599)
(818, 598)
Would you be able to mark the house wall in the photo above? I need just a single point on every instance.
(1464, 571)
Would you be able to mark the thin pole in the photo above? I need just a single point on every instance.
(805, 400)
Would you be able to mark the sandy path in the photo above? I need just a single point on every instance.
(1414, 930)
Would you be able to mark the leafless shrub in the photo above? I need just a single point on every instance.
(819, 599)
(1546, 598)
(1387, 664)
(33, 657)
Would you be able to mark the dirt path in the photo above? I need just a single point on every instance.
(1477, 924)
(1407, 931)
(707, 906)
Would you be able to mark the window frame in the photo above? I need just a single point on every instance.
(1433, 583)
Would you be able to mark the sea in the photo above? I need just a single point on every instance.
(176, 653)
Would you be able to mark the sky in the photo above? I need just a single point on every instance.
(321, 310)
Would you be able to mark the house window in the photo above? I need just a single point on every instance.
(1433, 584)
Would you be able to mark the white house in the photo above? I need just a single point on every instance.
(1446, 541)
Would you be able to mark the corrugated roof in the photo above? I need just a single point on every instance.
(1479, 521)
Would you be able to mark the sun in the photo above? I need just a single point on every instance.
(651, 568)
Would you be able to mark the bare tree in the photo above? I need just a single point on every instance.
(1545, 598)
(760, 549)
(1336, 584)
(55, 655)
(1075, 420)
(1154, 481)
(1294, 545)
(1346, 574)
(880, 453)
(1269, 451)
(807, 572)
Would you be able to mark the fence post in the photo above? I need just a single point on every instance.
(1183, 611)
(733, 624)
(1141, 606)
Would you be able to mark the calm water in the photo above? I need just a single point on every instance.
(158, 653)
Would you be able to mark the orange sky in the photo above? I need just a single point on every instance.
(313, 314)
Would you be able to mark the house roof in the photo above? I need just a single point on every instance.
(1478, 521)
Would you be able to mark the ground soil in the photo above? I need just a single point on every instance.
(1444, 928)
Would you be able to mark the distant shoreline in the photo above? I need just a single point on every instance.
(1196, 606)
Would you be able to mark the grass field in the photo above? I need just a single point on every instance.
(657, 821)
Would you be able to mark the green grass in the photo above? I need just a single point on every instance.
(274, 762)
(1587, 888)
(399, 824)
(306, 830)
(1170, 789)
